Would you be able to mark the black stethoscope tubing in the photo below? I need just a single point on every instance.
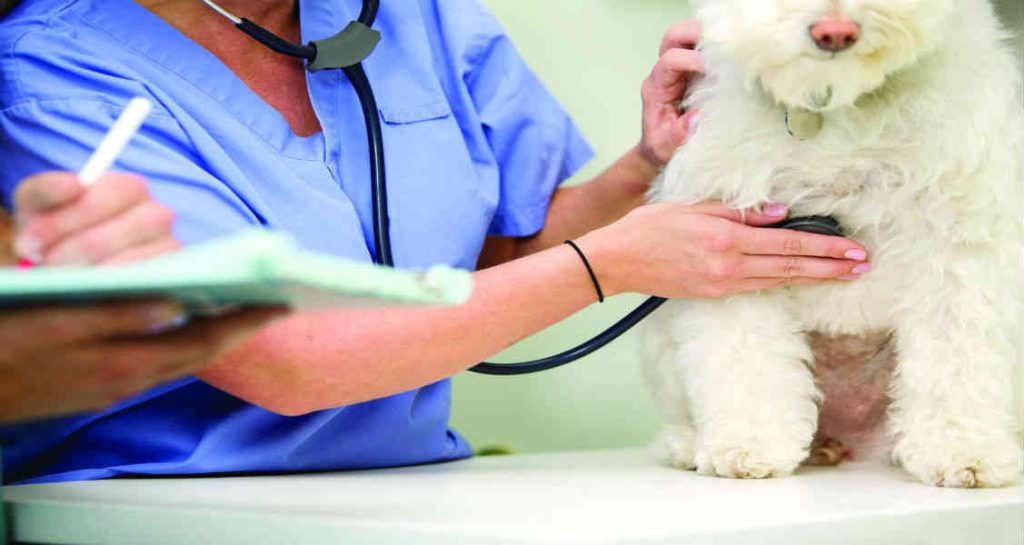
(368, 102)
(381, 222)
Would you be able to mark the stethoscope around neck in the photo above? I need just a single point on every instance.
(346, 51)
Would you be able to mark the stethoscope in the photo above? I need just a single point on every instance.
(346, 51)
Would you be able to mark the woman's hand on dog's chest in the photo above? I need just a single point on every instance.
(708, 250)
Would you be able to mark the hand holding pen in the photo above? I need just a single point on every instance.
(99, 353)
(93, 218)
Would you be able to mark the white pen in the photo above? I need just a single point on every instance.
(102, 159)
(116, 139)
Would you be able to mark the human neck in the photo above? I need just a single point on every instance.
(278, 79)
(279, 16)
(265, 12)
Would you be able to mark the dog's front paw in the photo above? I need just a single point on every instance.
(749, 458)
(967, 460)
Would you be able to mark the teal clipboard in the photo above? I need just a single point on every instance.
(255, 268)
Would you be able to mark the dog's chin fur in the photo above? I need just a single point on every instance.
(920, 159)
(771, 46)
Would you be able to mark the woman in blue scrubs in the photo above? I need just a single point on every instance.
(243, 137)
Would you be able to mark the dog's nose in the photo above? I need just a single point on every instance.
(834, 33)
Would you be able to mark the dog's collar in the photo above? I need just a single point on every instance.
(803, 124)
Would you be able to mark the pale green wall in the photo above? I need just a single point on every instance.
(592, 54)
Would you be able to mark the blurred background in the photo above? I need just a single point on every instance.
(592, 54)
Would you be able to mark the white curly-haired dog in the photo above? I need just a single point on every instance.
(903, 120)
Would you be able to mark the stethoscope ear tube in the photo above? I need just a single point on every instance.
(276, 43)
(368, 14)
(264, 36)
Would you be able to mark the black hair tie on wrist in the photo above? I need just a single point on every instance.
(590, 270)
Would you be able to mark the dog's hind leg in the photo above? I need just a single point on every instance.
(826, 451)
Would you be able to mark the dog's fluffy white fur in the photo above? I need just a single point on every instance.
(919, 158)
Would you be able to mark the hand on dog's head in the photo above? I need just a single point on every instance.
(822, 55)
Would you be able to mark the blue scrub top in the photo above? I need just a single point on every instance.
(475, 146)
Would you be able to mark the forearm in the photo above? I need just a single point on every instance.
(580, 209)
(314, 361)
(318, 360)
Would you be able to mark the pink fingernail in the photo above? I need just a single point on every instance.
(776, 210)
(857, 255)
(862, 268)
(692, 120)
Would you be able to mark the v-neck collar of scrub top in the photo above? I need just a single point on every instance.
(142, 31)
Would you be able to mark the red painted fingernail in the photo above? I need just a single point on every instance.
(25, 263)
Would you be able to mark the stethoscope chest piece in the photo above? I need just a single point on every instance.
(819, 225)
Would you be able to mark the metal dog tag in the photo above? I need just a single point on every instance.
(803, 124)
